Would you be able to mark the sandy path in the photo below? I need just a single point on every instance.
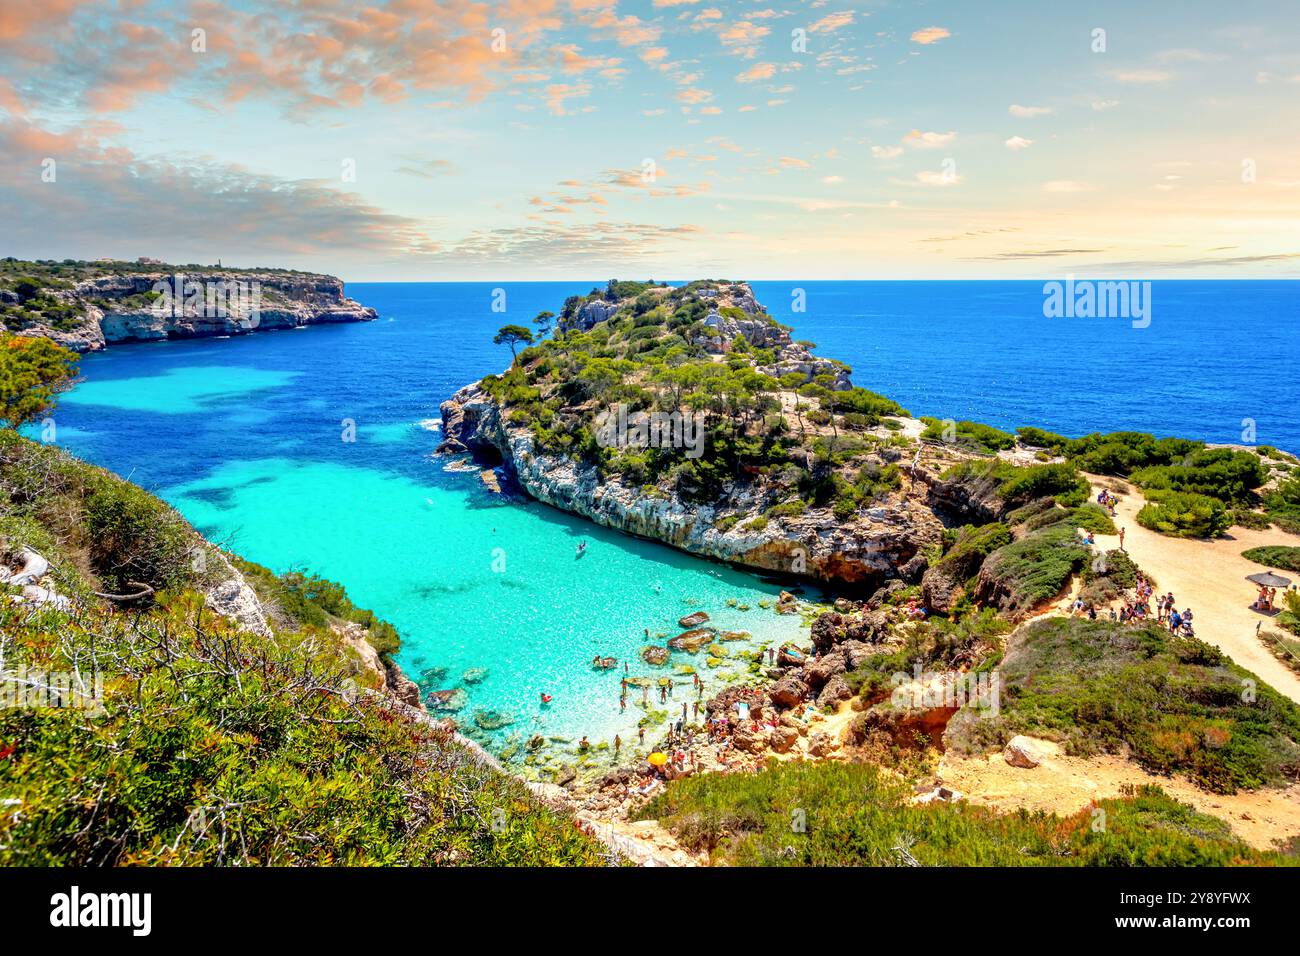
(1208, 576)
(1065, 785)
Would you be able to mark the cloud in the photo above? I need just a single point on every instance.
(886, 152)
(109, 201)
(425, 168)
(833, 22)
(1017, 143)
(930, 35)
(1028, 112)
(1102, 105)
(759, 71)
(742, 37)
(930, 140)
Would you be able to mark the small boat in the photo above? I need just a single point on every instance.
(582, 549)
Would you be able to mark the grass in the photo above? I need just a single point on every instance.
(835, 814)
(1175, 704)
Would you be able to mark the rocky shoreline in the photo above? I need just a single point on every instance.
(120, 307)
(887, 543)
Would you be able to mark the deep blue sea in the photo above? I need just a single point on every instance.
(247, 436)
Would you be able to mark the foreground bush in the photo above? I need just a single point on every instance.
(216, 747)
(1184, 514)
(834, 814)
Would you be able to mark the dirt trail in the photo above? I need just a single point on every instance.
(1209, 577)
(1065, 785)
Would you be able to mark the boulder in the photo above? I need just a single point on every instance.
(819, 671)
(693, 620)
(1024, 752)
(820, 744)
(836, 690)
(782, 738)
(749, 739)
(788, 692)
(475, 675)
(691, 641)
(655, 655)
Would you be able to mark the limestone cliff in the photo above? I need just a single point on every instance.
(87, 306)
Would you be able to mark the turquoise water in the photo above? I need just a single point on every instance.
(245, 436)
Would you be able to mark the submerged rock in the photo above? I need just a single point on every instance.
(448, 701)
(492, 719)
(475, 675)
(693, 620)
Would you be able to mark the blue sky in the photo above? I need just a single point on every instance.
(446, 139)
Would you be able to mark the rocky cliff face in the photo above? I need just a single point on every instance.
(884, 544)
(127, 308)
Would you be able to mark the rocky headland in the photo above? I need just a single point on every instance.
(87, 306)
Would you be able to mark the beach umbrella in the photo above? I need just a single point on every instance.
(1267, 579)
(657, 759)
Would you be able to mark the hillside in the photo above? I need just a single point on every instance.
(85, 306)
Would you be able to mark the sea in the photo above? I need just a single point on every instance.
(313, 449)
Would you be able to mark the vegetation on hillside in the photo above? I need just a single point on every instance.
(836, 814)
(1175, 704)
(653, 354)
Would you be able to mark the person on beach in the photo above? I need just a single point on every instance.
(1175, 620)
(584, 744)
(640, 735)
(1121, 537)
(618, 744)
(622, 704)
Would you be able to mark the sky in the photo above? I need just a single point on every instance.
(570, 139)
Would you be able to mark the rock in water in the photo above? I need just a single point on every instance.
(692, 641)
(448, 700)
(655, 655)
(693, 620)
(492, 719)
(475, 675)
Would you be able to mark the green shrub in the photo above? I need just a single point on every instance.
(1034, 569)
(1184, 515)
(1275, 556)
